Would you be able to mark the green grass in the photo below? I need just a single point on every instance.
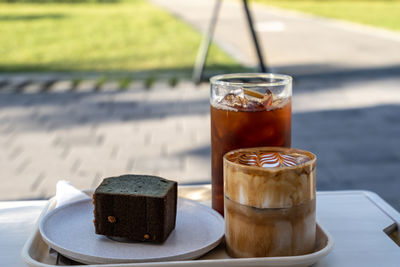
(379, 13)
(109, 37)
(124, 82)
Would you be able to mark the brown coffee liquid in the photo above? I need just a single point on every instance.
(255, 232)
(241, 128)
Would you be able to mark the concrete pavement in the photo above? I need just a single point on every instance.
(293, 42)
(84, 136)
(346, 114)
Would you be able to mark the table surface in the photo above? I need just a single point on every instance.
(356, 220)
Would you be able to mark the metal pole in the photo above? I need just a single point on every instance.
(205, 45)
(254, 35)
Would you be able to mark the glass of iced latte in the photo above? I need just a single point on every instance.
(247, 110)
(269, 202)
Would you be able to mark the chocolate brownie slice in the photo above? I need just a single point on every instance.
(137, 207)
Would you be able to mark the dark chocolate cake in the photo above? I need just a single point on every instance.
(137, 207)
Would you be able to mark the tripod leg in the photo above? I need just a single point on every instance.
(205, 45)
(262, 67)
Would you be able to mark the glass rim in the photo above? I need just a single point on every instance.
(311, 161)
(219, 79)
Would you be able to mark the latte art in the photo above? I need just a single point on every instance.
(269, 159)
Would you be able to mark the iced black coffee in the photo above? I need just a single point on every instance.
(247, 110)
(269, 202)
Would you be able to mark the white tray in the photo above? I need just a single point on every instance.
(363, 224)
(36, 252)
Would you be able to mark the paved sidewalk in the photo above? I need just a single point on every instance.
(84, 136)
(292, 42)
(348, 118)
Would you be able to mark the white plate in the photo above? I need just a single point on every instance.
(70, 231)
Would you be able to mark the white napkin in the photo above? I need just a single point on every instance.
(66, 193)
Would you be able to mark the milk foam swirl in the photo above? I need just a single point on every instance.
(269, 159)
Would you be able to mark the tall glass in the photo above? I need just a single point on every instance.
(247, 110)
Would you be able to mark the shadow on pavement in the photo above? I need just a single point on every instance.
(356, 148)
(324, 77)
(15, 17)
(68, 110)
(69, 68)
(316, 77)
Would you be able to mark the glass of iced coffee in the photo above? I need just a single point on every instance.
(247, 110)
(269, 202)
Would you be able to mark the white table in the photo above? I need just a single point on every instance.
(356, 220)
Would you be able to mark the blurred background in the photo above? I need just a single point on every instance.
(90, 89)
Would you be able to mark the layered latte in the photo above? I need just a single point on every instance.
(269, 202)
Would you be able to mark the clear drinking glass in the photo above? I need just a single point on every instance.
(247, 110)
(269, 202)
